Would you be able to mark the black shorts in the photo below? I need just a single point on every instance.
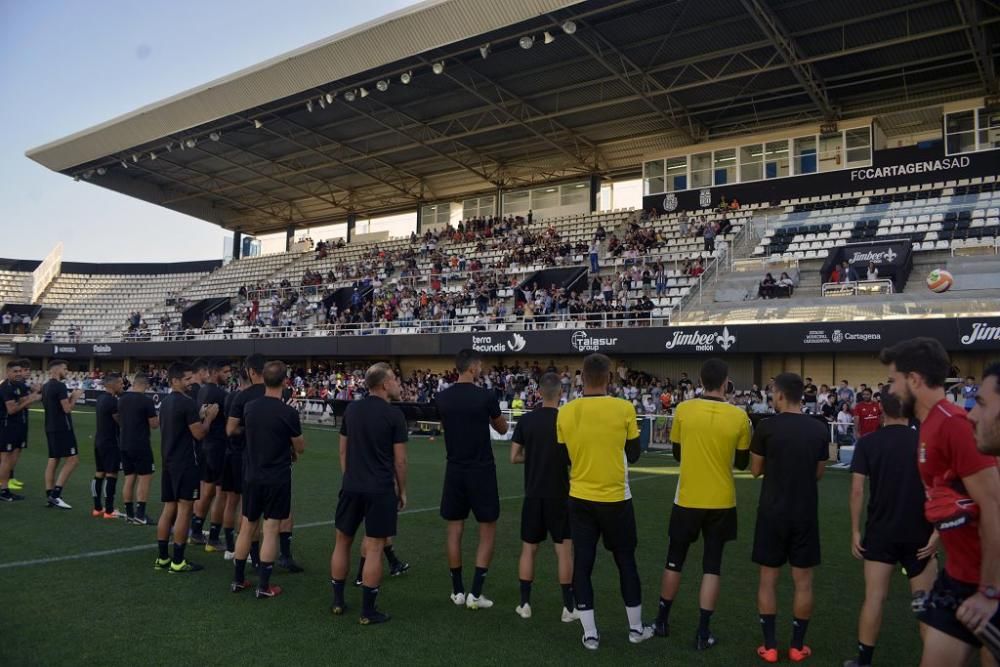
(107, 460)
(232, 471)
(62, 444)
(904, 553)
(614, 523)
(945, 598)
(271, 501)
(472, 489)
(379, 511)
(541, 516)
(138, 461)
(715, 525)
(12, 439)
(212, 462)
(182, 484)
(777, 541)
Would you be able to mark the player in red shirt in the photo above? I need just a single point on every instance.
(965, 595)
(867, 415)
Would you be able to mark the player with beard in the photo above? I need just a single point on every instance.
(963, 501)
(15, 399)
(213, 456)
(107, 453)
(137, 416)
(59, 404)
(867, 415)
(199, 375)
(232, 470)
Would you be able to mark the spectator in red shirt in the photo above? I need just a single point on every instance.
(964, 597)
(867, 415)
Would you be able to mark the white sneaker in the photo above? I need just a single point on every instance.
(458, 599)
(639, 636)
(60, 503)
(229, 555)
(591, 643)
(481, 602)
(570, 616)
(523, 610)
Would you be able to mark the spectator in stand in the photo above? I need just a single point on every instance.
(682, 223)
(734, 205)
(834, 275)
(845, 394)
(7, 319)
(595, 248)
(697, 269)
(847, 274)
(845, 425)
(766, 289)
(872, 271)
(709, 236)
(829, 408)
(785, 285)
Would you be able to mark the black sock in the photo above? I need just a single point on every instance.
(704, 618)
(95, 491)
(865, 653)
(230, 539)
(164, 551)
(57, 491)
(285, 544)
(197, 523)
(140, 510)
(361, 569)
(767, 622)
(178, 553)
(568, 601)
(664, 611)
(525, 592)
(255, 553)
(110, 485)
(213, 532)
(130, 510)
(338, 592)
(456, 580)
(478, 579)
(239, 570)
(265, 575)
(390, 555)
(368, 596)
(48, 493)
(799, 627)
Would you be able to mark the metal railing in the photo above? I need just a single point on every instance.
(857, 287)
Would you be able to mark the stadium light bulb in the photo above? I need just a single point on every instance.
(484, 50)
(76, 178)
(309, 106)
(191, 143)
(382, 85)
(170, 147)
(569, 27)
(526, 42)
(257, 124)
(124, 164)
(135, 157)
(152, 155)
(350, 95)
(215, 136)
(364, 93)
(438, 67)
(101, 171)
(406, 77)
(329, 97)
(322, 102)
(548, 38)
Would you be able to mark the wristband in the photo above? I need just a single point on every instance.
(989, 592)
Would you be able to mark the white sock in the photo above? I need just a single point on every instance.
(588, 622)
(634, 617)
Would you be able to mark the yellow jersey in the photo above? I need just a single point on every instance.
(594, 430)
(709, 432)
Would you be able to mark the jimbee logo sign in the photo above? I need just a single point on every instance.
(701, 341)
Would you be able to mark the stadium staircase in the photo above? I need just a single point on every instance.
(45, 320)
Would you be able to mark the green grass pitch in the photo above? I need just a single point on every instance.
(63, 605)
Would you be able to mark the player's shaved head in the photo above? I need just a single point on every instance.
(275, 373)
(596, 370)
(550, 387)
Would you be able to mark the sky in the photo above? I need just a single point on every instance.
(68, 65)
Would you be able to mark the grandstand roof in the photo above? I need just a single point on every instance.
(279, 144)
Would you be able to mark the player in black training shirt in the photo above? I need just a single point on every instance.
(213, 457)
(896, 531)
(546, 494)
(136, 417)
(790, 450)
(107, 454)
(470, 478)
(373, 438)
(232, 469)
(273, 440)
(59, 404)
(15, 399)
(180, 425)
(199, 375)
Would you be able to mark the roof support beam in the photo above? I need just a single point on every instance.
(975, 33)
(805, 74)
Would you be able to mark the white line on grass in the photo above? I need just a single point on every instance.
(143, 547)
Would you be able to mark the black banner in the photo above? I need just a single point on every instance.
(8, 348)
(893, 259)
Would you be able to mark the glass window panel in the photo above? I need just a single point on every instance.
(776, 159)
(574, 194)
(831, 154)
(963, 121)
(859, 137)
(652, 175)
(805, 155)
(989, 130)
(724, 166)
(701, 170)
(962, 142)
(676, 173)
(751, 162)
(545, 198)
(516, 202)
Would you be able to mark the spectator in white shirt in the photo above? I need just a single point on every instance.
(872, 271)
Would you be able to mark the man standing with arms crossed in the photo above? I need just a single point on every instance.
(709, 437)
(896, 532)
(790, 450)
(546, 491)
(137, 416)
(373, 438)
(959, 481)
(213, 456)
(601, 438)
(470, 479)
(15, 399)
(232, 472)
(59, 404)
(107, 453)
(274, 440)
(867, 415)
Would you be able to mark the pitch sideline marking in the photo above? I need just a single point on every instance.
(143, 547)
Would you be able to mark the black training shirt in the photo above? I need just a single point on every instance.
(106, 435)
(270, 426)
(888, 457)
(208, 394)
(792, 445)
(177, 413)
(56, 419)
(237, 408)
(546, 462)
(134, 412)
(192, 393)
(466, 411)
(372, 427)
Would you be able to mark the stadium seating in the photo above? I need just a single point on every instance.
(12, 286)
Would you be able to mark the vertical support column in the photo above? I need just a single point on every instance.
(420, 219)
(237, 244)
(352, 220)
(499, 201)
(595, 189)
(289, 237)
